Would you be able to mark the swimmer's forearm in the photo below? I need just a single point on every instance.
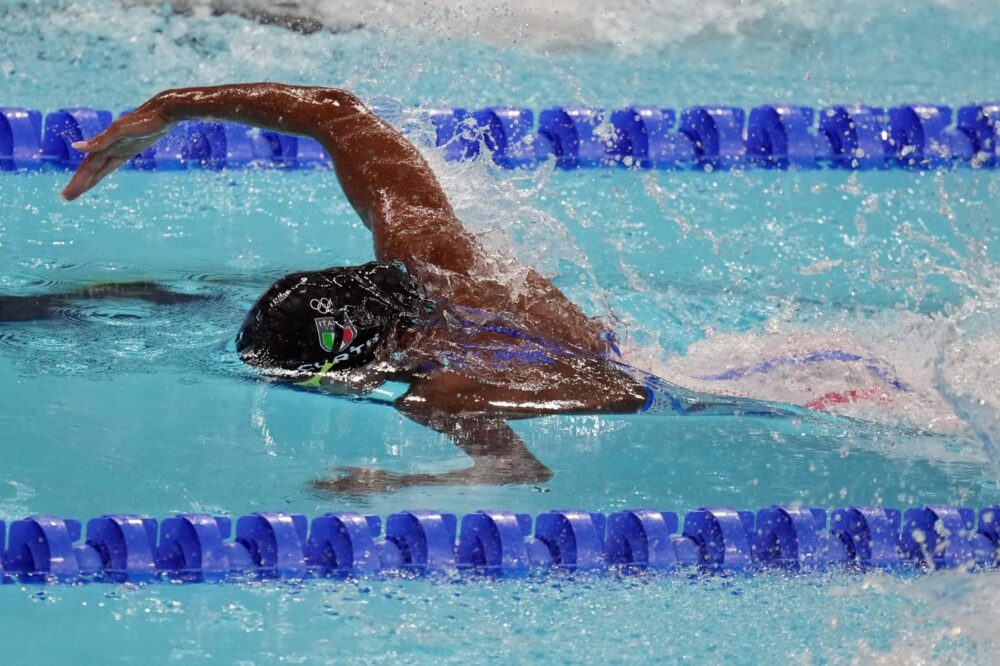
(336, 118)
(369, 156)
(383, 175)
(304, 110)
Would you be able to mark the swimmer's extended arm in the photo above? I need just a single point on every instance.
(499, 457)
(383, 175)
(385, 178)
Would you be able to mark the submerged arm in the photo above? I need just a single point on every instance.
(499, 457)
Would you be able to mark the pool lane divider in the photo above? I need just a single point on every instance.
(199, 547)
(706, 138)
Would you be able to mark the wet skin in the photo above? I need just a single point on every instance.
(399, 199)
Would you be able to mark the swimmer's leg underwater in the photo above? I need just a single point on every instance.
(53, 306)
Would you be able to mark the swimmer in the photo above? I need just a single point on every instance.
(466, 351)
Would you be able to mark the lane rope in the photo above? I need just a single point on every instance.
(202, 547)
(704, 138)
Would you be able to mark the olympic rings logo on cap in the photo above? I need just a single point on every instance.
(322, 305)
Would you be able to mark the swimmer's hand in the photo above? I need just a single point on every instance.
(128, 136)
(359, 481)
(499, 457)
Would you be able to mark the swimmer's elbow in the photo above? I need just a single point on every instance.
(542, 475)
(338, 97)
(524, 472)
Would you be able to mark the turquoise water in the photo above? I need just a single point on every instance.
(567, 621)
(141, 408)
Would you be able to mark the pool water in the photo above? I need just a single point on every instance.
(127, 406)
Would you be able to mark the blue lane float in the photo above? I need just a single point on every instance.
(66, 126)
(780, 137)
(709, 541)
(856, 137)
(646, 139)
(981, 123)
(579, 137)
(20, 139)
(717, 133)
(507, 135)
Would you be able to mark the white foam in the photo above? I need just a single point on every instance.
(894, 349)
(574, 24)
(968, 377)
(956, 619)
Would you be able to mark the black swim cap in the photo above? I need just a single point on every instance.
(336, 317)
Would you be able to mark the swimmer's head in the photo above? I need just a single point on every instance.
(333, 319)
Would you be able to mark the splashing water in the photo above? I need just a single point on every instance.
(569, 24)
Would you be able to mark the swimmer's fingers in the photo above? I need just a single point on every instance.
(142, 126)
(358, 481)
(100, 162)
(91, 171)
(85, 176)
(83, 179)
(110, 164)
(128, 136)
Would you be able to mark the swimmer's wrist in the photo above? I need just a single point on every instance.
(169, 105)
(179, 104)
